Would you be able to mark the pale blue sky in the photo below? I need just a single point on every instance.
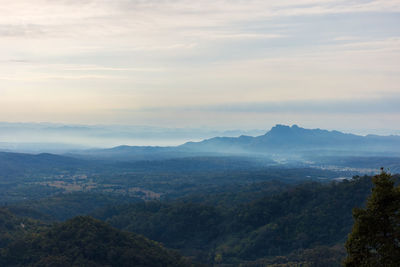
(222, 64)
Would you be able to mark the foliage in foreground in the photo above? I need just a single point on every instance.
(375, 239)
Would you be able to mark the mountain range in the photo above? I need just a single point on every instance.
(280, 140)
(282, 143)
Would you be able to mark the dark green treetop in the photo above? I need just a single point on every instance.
(375, 238)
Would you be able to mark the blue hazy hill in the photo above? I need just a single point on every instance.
(282, 139)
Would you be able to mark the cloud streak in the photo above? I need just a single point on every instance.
(120, 17)
(387, 105)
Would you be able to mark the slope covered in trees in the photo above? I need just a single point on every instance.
(233, 218)
(61, 207)
(302, 218)
(84, 241)
(13, 227)
(375, 238)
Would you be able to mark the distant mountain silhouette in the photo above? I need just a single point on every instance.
(282, 138)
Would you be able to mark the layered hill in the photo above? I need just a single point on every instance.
(281, 143)
(282, 139)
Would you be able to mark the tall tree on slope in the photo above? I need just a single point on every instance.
(375, 238)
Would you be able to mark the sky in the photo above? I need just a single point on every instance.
(226, 64)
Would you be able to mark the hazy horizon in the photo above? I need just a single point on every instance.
(58, 137)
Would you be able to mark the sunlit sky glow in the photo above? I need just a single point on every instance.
(215, 63)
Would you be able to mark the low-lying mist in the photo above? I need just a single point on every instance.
(49, 137)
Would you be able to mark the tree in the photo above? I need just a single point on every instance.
(375, 238)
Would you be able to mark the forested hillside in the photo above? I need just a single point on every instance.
(221, 211)
(302, 218)
(13, 227)
(84, 241)
(253, 224)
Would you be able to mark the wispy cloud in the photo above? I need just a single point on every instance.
(344, 106)
(112, 18)
(100, 68)
(54, 77)
(345, 38)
